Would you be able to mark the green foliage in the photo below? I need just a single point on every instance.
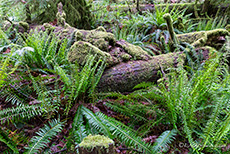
(20, 112)
(3, 40)
(44, 135)
(77, 12)
(119, 130)
(207, 24)
(3, 73)
(113, 129)
(78, 131)
(164, 139)
(48, 98)
(81, 84)
(41, 52)
(187, 100)
(10, 144)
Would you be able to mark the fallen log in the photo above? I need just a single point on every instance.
(128, 65)
(124, 76)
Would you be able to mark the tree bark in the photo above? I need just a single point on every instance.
(124, 76)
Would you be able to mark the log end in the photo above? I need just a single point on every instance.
(93, 144)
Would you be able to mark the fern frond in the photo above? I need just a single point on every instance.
(5, 139)
(23, 111)
(125, 110)
(44, 135)
(78, 131)
(96, 122)
(124, 133)
(164, 139)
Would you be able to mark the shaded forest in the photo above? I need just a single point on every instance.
(114, 76)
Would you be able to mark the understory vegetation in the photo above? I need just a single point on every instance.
(49, 105)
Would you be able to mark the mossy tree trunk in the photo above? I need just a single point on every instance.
(124, 76)
(77, 13)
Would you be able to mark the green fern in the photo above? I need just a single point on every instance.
(5, 139)
(96, 122)
(41, 51)
(124, 133)
(78, 130)
(39, 142)
(163, 140)
(126, 109)
(20, 112)
(80, 84)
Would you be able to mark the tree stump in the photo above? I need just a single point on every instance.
(97, 144)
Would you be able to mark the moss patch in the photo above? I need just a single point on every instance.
(135, 51)
(199, 39)
(192, 37)
(92, 141)
(98, 37)
(81, 49)
(24, 25)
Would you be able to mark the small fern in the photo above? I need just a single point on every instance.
(39, 142)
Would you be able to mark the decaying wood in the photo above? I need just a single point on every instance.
(124, 76)
(128, 65)
(97, 150)
(96, 144)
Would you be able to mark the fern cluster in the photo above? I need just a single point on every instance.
(202, 96)
(100, 123)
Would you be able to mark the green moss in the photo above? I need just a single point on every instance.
(126, 57)
(199, 39)
(98, 37)
(81, 49)
(100, 28)
(194, 38)
(217, 32)
(191, 37)
(228, 27)
(78, 35)
(92, 141)
(48, 27)
(24, 25)
(135, 51)
(169, 22)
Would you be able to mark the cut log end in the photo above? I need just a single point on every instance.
(96, 144)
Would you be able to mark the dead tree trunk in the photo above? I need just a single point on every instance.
(124, 76)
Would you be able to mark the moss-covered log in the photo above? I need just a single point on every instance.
(124, 76)
(128, 65)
